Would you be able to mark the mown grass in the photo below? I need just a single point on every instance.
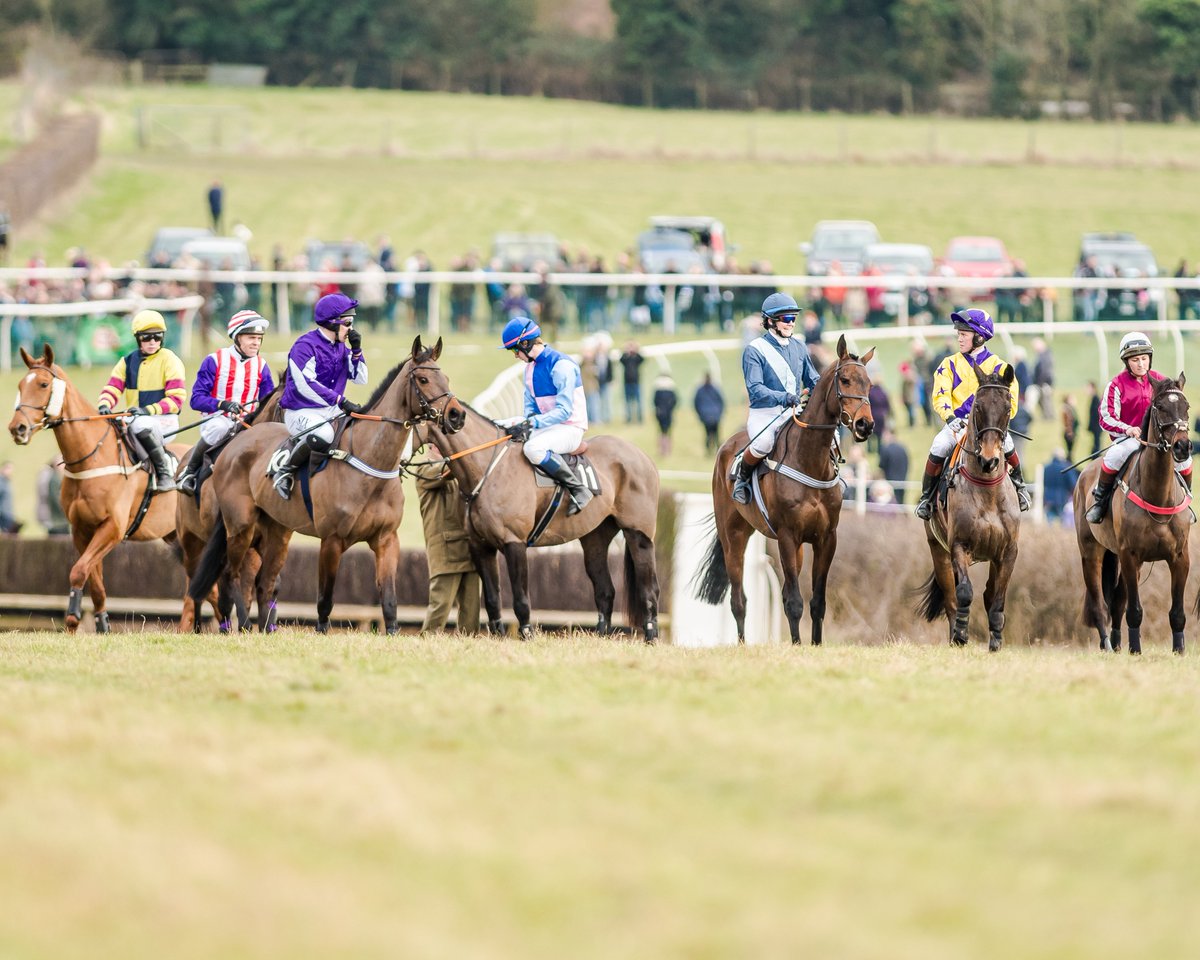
(314, 796)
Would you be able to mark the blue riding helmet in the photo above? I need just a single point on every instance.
(976, 320)
(779, 303)
(517, 331)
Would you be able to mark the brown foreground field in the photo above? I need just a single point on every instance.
(347, 795)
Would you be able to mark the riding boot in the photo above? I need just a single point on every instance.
(1103, 494)
(1019, 482)
(164, 478)
(191, 473)
(285, 477)
(933, 470)
(555, 467)
(742, 487)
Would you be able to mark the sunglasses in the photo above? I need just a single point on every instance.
(786, 318)
(146, 337)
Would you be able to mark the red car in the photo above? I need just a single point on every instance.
(984, 257)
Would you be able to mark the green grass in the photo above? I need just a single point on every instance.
(445, 172)
(308, 796)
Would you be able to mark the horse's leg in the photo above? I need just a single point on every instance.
(239, 542)
(823, 551)
(99, 596)
(273, 549)
(791, 556)
(87, 571)
(487, 563)
(1178, 617)
(387, 558)
(1095, 610)
(595, 563)
(1117, 611)
(1130, 569)
(734, 533)
(516, 558)
(964, 593)
(645, 577)
(995, 594)
(192, 547)
(332, 549)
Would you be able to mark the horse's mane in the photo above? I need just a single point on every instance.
(249, 418)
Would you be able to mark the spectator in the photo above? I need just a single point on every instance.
(420, 297)
(631, 366)
(1021, 371)
(1020, 424)
(1070, 425)
(813, 328)
(1094, 427)
(1058, 484)
(893, 461)
(591, 378)
(49, 499)
(881, 404)
(710, 407)
(1043, 377)
(453, 580)
(371, 295)
(514, 302)
(910, 385)
(462, 298)
(881, 493)
(216, 205)
(595, 300)
(552, 305)
(665, 399)
(8, 520)
(604, 375)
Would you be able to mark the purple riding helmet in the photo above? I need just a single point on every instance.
(976, 320)
(330, 308)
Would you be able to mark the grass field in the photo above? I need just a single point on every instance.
(445, 172)
(349, 796)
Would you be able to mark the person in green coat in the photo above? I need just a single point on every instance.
(453, 580)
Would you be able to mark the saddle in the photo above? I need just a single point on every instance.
(136, 451)
(580, 465)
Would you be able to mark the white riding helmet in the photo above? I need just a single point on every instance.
(1136, 344)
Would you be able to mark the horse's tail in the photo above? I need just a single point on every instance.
(933, 599)
(212, 562)
(711, 582)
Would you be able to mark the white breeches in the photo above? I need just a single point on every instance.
(556, 439)
(946, 438)
(155, 425)
(1121, 450)
(763, 424)
(216, 429)
(298, 421)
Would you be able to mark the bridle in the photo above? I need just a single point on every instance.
(429, 413)
(51, 418)
(1162, 426)
(844, 419)
(990, 428)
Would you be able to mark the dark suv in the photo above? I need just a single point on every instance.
(1121, 254)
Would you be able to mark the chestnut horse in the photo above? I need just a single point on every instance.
(504, 504)
(356, 499)
(102, 492)
(1148, 519)
(980, 520)
(802, 494)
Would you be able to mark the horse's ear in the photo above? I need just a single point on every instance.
(47, 353)
(1008, 374)
(29, 361)
(416, 349)
(1182, 380)
(437, 350)
(841, 348)
(866, 357)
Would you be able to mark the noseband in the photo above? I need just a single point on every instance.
(51, 410)
(429, 413)
(1162, 426)
(980, 431)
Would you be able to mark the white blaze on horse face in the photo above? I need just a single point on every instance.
(17, 402)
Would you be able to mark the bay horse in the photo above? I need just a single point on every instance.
(1148, 519)
(103, 492)
(505, 503)
(801, 491)
(980, 520)
(357, 498)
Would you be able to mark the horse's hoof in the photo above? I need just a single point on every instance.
(602, 625)
(102, 622)
(495, 627)
(322, 626)
(225, 626)
(525, 632)
(1177, 643)
(958, 641)
(994, 644)
(72, 624)
(650, 634)
(393, 628)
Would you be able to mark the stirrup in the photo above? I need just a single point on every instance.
(575, 506)
(284, 481)
(924, 508)
(742, 486)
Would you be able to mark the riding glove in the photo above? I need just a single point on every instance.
(138, 412)
(354, 338)
(956, 424)
(519, 431)
(231, 407)
(792, 400)
(105, 408)
(349, 406)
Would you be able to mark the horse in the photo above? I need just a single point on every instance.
(353, 500)
(980, 519)
(801, 492)
(505, 504)
(104, 494)
(1148, 519)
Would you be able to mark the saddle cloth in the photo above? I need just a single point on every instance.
(580, 465)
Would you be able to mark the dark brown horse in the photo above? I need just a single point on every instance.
(1148, 520)
(103, 493)
(505, 503)
(980, 520)
(802, 496)
(350, 504)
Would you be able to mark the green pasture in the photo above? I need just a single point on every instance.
(303, 796)
(445, 172)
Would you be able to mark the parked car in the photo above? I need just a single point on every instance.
(1122, 255)
(337, 251)
(901, 259)
(679, 243)
(524, 251)
(218, 253)
(977, 257)
(168, 243)
(845, 241)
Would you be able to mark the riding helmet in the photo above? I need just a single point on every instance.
(518, 332)
(1136, 344)
(779, 303)
(331, 307)
(976, 320)
(246, 321)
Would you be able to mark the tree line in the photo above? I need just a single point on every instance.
(1138, 58)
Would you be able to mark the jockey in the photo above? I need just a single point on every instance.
(779, 375)
(1122, 409)
(954, 386)
(320, 364)
(555, 412)
(151, 382)
(228, 380)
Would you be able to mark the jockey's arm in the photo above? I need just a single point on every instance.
(808, 373)
(943, 388)
(203, 400)
(111, 392)
(175, 385)
(266, 383)
(759, 392)
(302, 365)
(358, 369)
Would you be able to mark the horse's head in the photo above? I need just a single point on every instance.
(40, 396)
(1166, 424)
(431, 387)
(849, 400)
(990, 414)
